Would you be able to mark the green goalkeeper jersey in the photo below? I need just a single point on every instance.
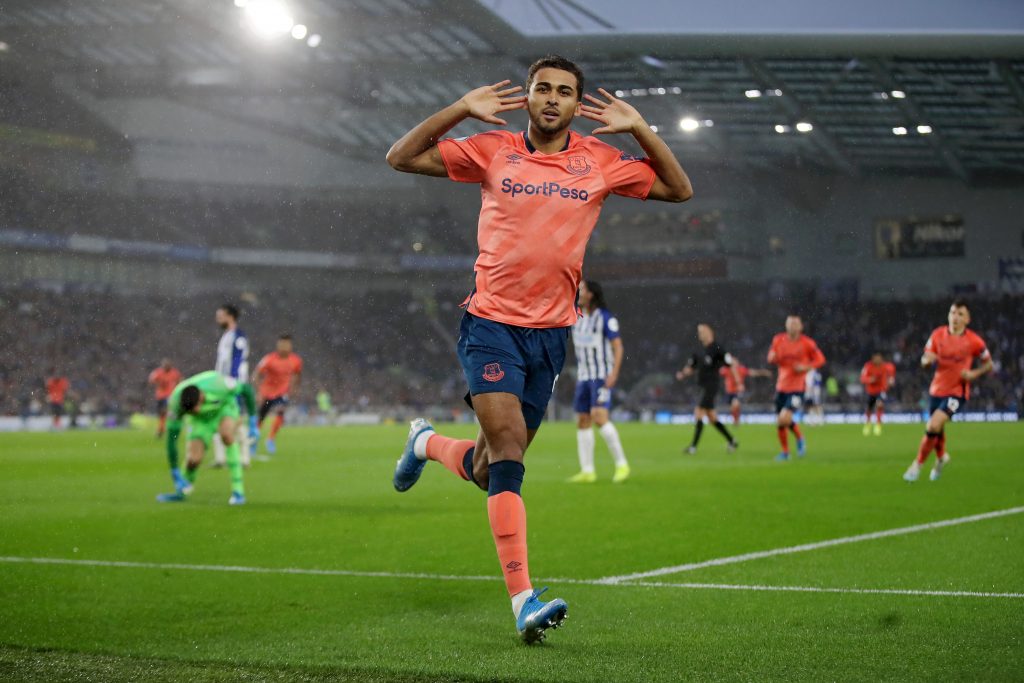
(218, 391)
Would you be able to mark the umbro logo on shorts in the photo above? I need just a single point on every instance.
(493, 372)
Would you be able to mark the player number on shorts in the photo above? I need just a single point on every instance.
(953, 404)
(604, 395)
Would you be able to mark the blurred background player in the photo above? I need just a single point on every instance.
(952, 349)
(707, 363)
(532, 237)
(164, 378)
(274, 375)
(209, 402)
(877, 376)
(813, 406)
(795, 354)
(56, 390)
(232, 362)
(599, 354)
(736, 376)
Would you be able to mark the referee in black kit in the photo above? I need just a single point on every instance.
(706, 363)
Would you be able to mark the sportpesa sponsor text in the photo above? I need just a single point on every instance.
(547, 189)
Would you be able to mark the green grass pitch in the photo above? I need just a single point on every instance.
(325, 502)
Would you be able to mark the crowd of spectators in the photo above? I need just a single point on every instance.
(392, 351)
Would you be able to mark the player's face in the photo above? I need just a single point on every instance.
(794, 325)
(877, 359)
(165, 364)
(202, 397)
(551, 101)
(959, 317)
(223, 318)
(284, 347)
(705, 334)
(586, 296)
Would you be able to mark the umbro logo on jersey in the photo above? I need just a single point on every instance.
(513, 159)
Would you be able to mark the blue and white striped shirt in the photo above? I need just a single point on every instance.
(233, 355)
(592, 336)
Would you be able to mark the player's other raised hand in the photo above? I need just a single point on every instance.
(617, 116)
(485, 102)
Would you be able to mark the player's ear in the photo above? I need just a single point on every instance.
(576, 111)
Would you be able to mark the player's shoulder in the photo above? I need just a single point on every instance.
(779, 338)
(974, 337)
(939, 332)
(602, 150)
(492, 138)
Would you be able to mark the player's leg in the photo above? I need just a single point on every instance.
(583, 402)
(219, 452)
(699, 413)
(879, 412)
(735, 409)
(601, 415)
(783, 420)
(228, 430)
(161, 415)
(722, 429)
(871, 401)
(795, 403)
(939, 414)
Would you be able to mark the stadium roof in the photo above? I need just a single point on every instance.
(926, 92)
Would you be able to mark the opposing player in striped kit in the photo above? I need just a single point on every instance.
(599, 354)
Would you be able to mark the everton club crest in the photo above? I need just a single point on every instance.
(578, 165)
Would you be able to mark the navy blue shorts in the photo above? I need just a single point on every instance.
(161, 406)
(788, 401)
(874, 399)
(279, 402)
(523, 361)
(729, 398)
(950, 405)
(590, 394)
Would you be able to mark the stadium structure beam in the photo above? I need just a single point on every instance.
(912, 117)
(821, 138)
(1006, 72)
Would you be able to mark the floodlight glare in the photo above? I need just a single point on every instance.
(313, 40)
(753, 94)
(804, 127)
(299, 31)
(780, 128)
(241, 3)
(899, 130)
(268, 18)
(924, 130)
(689, 125)
(898, 94)
(654, 129)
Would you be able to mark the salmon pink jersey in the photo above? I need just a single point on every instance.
(56, 387)
(165, 381)
(956, 353)
(277, 371)
(730, 382)
(787, 354)
(876, 378)
(537, 213)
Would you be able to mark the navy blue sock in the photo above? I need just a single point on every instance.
(505, 475)
(467, 465)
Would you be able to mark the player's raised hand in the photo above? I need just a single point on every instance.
(484, 102)
(617, 116)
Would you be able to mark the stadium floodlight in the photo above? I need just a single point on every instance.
(781, 128)
(924, 130)
(4, 47)
(707, 123)
(689, 124)
(654, 129)
(804, 127)
(314, 40)
(299, 31)
(753, 93)
(899, 130)
(898, 94)
(268, 18)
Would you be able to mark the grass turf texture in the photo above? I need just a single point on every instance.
(325, 502)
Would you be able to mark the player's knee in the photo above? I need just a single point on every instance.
(583, 421)
(227, 436)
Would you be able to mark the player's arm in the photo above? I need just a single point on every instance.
(734, 369)
(817, 358)
(416, 151)
(688, 369)
(864, 379)
(929, 356)
(618, 353)
(983, 369)
(758, 372)
(174, 420)
(618, 116)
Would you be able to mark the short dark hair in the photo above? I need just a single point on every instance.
(189, 398)
(961, 302)
(230, 309)
(284, 337)
(557, 62)
(597, 294)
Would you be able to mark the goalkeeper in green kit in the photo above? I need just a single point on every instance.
(208, 404)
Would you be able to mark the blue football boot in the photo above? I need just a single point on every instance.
(782, 457)
(536, 617)
(409, 467)
(801, 448)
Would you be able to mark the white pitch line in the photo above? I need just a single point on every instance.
(746, 557)
(451, 577)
